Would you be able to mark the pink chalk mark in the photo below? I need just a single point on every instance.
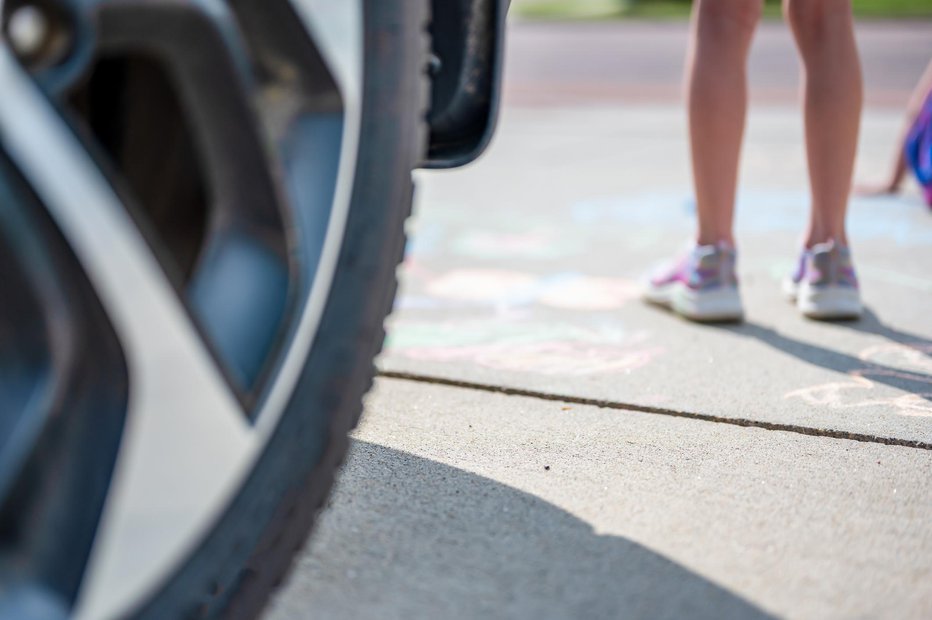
(550, 358)
(852, 394)
(913, 356)
(533, 244)
(505, 287)
(589, 293)
(479, 284)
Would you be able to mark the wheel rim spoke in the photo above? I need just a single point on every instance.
(337, 30)
(188, 443)
(178, 397)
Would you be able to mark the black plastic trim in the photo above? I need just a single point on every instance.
(468, 38)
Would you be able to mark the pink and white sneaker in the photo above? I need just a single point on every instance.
(825, 285)
(701, 285)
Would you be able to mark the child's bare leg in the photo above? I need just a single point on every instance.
(824, 32)
(717, 91)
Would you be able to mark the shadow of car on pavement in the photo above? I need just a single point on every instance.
(409, 537)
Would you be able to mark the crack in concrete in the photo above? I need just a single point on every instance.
(676, 413)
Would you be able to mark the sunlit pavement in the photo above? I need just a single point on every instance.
(544, 445)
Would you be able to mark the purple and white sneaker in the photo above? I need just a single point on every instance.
(701, 285)
(824, 285)
(792, 281)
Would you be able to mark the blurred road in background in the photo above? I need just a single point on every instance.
(543, 445)
(630, 62)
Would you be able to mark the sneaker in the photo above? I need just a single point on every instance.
(792, 281)
(700, 286)
(825, 285)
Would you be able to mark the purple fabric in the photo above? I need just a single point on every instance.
(677, 272)
(829, 264)
(702, 268)
(919, 148)
(797, 276)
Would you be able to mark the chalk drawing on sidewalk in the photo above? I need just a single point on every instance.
(911, 357)
(493, 236)
(500, 288)
(484, 286)
(885, 365)
(537, 244)
(761, 211)
(518, 344)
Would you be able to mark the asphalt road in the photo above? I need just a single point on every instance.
(640, 62)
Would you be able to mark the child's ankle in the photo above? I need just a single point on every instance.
(814, 240)
(716, 240)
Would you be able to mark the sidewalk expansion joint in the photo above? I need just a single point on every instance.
(676, 413)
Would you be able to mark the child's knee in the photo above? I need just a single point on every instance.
(730, 16)
(810, 19)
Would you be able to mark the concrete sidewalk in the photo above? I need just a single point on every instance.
(652, 468)
(523, 272)
(522, 276)
(462, 504)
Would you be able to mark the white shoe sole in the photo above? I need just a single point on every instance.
(722, 304)
(831, 302)
(657, 295)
